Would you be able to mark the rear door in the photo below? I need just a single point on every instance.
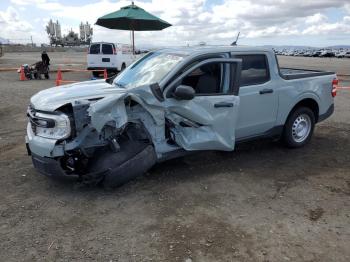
(207, 122)
(108, 56)
(259, 99)
(93, 57)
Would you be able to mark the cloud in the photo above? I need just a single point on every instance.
(194, 21)
(50, 6)
(12, 26)
(27, 2)
(316, 19)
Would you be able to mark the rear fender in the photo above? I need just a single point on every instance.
(285, 110)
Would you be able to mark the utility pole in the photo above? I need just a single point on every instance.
(31, 39)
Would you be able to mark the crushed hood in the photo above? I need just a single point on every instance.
(110, 106)
(55, 97)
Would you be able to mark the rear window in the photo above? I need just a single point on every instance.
(94, 49)
(107, 49)
(254, 69)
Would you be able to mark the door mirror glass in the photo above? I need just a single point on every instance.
(183, 92)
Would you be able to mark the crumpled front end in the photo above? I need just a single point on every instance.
(104, 137)
(49, 141)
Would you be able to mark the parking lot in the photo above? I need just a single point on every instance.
(262, 202)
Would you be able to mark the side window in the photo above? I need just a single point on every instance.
(94, 49)
(107, 49)
(255, 69)
(209, 79)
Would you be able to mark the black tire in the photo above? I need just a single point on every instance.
(47, 76)
(299, 127)
(123, 67)
(95, 74)
(133, 159)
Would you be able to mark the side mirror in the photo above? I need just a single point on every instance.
(183, 92)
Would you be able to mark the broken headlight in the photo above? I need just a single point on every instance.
(52, 126)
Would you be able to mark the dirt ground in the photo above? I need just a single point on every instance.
(262, 202)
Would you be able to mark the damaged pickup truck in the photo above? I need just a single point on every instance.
(171, 102)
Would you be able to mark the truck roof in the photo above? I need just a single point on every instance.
(198, 50)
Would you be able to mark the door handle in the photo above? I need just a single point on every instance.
(266, 91)
(223, 104)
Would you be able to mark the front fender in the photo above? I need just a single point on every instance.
(107, 110)
(113, 109)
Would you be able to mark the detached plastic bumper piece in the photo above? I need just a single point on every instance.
(48, 167)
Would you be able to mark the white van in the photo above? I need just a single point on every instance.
(110, 56)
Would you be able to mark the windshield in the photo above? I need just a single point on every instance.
(151, 68)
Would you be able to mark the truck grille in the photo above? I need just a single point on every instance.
(30, 113)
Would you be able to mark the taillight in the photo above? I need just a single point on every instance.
(114, 51)
(335, 84)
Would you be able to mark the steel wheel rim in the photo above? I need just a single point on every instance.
(301, 128)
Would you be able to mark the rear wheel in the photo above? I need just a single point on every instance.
(95, 74)
(299, 127)
(123, 67)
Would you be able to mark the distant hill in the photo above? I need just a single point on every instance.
(339, 47)
(292, 47)
(4, 41)
(288, 46)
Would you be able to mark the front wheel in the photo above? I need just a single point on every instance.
(131, 160)
(299, 127)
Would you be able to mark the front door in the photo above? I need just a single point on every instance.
(206, 122)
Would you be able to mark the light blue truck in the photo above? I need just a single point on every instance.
(169, 103)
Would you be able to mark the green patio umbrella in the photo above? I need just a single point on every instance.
(132, 18)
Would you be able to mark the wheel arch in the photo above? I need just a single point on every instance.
(309, 103)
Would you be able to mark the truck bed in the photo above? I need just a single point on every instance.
(295, 73)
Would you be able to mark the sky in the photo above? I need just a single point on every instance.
(316, 23)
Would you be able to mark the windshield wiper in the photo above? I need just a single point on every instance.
(120, 85)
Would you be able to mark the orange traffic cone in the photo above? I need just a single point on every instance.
(105, 75)
(59, 77)
(22, 76)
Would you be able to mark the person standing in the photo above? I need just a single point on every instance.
(45, 58)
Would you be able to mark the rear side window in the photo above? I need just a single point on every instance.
(255, 69)
(107, 49)
(94, 49)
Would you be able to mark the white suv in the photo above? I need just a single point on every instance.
(110, 56)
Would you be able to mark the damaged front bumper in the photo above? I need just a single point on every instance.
(49, 167)
(109, 172)
(45, 154)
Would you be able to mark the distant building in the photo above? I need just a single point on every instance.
(85, 32)
(53, 30)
